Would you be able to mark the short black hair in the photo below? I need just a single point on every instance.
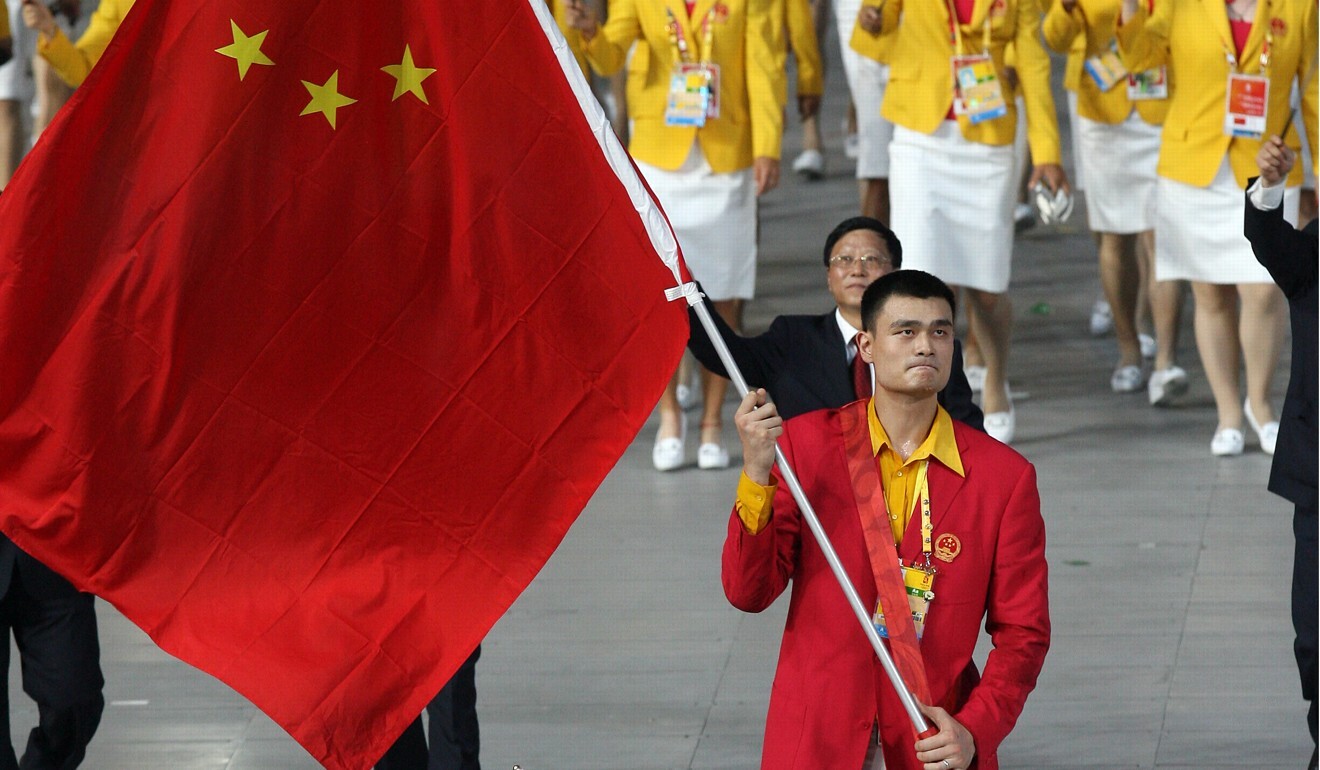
(865, 223)
(903, 283)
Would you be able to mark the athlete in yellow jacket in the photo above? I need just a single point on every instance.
(746, 41)
(72, 61)
(1193, 38)
(921, 79)
(1083, 31)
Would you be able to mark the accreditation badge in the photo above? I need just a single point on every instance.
(918, 582)
(976, 90)
(1148, 84)
(693, 95)
(1106, 69)
(1245, 105)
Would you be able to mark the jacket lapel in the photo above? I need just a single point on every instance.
(1218, 17)
(1250, 59)
(944, 488)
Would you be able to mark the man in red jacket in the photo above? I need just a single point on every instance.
(892, 474)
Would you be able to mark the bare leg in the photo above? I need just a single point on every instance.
(1121, 279)
(11, 139)
(1217, 342)
(874, 195)
(1146, 270)
(670, 412)
(991, 317)
(52, 93)
(1260, 329)
(714, 387)
(811, 133)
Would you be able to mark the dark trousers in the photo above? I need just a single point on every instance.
(59, 653)
(1304, 603)
(455, 737)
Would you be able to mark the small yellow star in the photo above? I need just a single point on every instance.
(408, 77)
(326, 98)
(246, 50)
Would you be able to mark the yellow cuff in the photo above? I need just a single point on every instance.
(753, 504)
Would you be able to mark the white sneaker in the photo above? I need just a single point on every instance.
(1267, 433)
(975, 377)
(1148, 346)
(1002, 425)
(1165, 385)
(1127, 379)
(1102, 319)
(669, 453)
(712, 457)
(1024, 217)
(852, 146)
(1227, 442)
(810, 164)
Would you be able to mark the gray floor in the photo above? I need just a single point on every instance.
(1169, 590)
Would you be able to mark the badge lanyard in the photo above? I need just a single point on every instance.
(693, 86)
(1246, 99)
(955, 30)
(977, 95)
(678, 41)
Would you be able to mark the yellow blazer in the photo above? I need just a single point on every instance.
(877, 46)
(1190, 36)
(1086, 32)
(747, 43)
(920, 88)
(73, 61)
(806, 47)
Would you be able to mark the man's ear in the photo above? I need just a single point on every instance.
(864, 347)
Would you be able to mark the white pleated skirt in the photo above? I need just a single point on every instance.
(714, 219)
(1118, 162)
(1198, 231)
(952, 206)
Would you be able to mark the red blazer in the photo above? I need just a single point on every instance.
(829, 686)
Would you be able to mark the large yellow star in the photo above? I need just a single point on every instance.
(246, 50)
(408, 76)
(326, 98)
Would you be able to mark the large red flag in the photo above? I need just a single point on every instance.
(320, 321)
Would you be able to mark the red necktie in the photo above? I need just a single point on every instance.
(861, 371)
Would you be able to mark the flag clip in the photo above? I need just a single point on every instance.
(688, 290)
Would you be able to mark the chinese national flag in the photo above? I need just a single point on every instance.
(320, 321)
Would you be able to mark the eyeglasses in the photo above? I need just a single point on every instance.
(868, 262)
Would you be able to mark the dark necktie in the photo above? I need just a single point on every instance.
(861, 371)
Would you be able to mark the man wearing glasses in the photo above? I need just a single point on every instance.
(809, 362)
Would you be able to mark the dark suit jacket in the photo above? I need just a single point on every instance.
(802, 362)
(1290, 256)
(38, 580)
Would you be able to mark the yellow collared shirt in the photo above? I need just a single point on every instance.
(898, 476)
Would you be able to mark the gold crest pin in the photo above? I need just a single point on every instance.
(947, 547)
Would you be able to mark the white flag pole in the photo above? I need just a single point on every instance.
(666, 248)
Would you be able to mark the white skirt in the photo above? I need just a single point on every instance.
(714, 219)
(1078, 177)
(952, 206)
(1119, 165)
(867, 80)
(1198, 231)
